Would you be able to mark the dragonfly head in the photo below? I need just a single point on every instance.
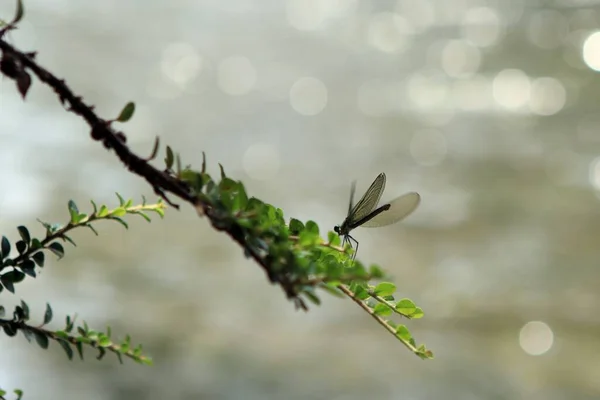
(336, 229)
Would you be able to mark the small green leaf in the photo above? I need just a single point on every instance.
(73, 211)
(223, 176)
(94, 206)
(21, 247)
(312, 227)
(333, 238)
(67, 348)
(57, 249)
(25, 308)
(20, 11)
(38, 258)
(118, 212)
(28, 267)
(384, 289)
(143, 215)
(92, 229)
(418, 313)
(80, 218)
(154, 150)
(103, 212)
(104, 341)
(382, 309)
(376, 272)
(403, 333)
(121, 199)
(79, 347)
(296, 226)
(169, 158)
(312, 297)
(406, 307)
(5, 247)
(41, 339)
(119, 220)
(28, 334)
(360, 292)
(24, 233)
(48, 314)
(126, 112)
(35, 244)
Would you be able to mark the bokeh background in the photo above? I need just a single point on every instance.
(489, 108)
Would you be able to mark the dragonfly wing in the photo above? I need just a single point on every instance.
(399, 208)
(369, 200)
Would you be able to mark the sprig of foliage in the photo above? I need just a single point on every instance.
(99, 341)
(293, 255)
(31, 249)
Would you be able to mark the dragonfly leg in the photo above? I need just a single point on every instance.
(356, 249)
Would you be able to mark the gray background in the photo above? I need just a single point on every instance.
(489, 109)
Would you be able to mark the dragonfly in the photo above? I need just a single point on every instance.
(366, 215)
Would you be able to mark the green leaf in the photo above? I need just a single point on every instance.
(41, 339)
(79, 347)
(38, 258)
(119, 220)
(418, 313)
(118, 212)
(376, 272)
(24, 233)
(28, 334)
(25, 308)
(403, 333)
(57, 249)
(384, 289)
(296, 226)
(312, 227)
(382, 309)
(240, 199)
(73, 211)
(35, 244)
(68, 239)
(312, 297)
(406, 307)
(103, 212)
(121, 199)
(143, 215)
(21, 247)
(104, 341)
(48, 314)
(169, 158)
(360, 292)
(20, 11)
(154, 150)
(332, 288)
(5, 247)
(66, 347)
(94, 206)
(28, 267)
(81, 217)
(126, 112)
(223, 176)
(333, 238)
(92, 228)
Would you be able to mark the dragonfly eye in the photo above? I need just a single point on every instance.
(336, 229)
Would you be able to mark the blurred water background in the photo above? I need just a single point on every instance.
(489, 108)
